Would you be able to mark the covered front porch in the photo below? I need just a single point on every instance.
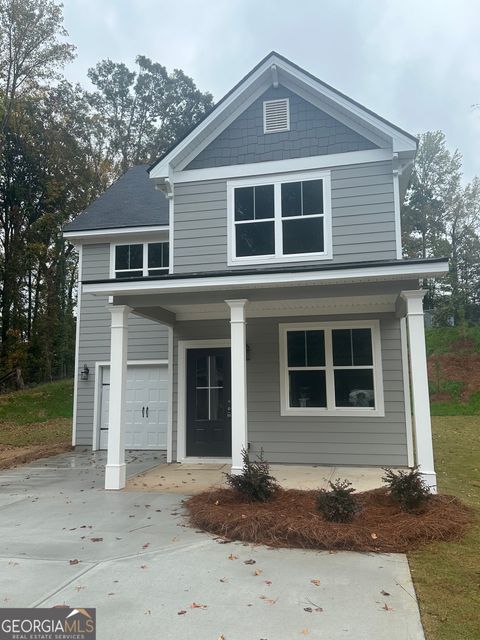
(233, 384)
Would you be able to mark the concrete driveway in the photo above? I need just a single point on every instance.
(151, 576)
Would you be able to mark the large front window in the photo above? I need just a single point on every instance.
(331, 369)
(280, 219)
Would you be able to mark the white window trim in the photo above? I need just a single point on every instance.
(265, 103)
(145, 269)
(277, 180)
(330, 410)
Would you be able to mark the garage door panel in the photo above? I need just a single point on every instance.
(146, 407)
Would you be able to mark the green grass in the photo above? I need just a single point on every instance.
(447, 575)
(41, 415)
(457, 408)
(440, 339)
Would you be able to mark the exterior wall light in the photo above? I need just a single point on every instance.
(84, 372)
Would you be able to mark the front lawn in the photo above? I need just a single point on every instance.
(35, 422)
(447, 575)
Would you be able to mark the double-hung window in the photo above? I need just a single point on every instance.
(280, 218)
(331, 369)
(140, 259)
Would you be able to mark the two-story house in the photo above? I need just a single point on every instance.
(249, 291)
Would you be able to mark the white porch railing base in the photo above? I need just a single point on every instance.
(115, 476)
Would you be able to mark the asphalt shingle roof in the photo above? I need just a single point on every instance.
(131, 201)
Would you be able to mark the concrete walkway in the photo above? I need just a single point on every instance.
(151, 576)
(195, 478)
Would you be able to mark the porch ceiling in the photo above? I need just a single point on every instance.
(306, 300)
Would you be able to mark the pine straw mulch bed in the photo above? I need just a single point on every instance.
(290, 519)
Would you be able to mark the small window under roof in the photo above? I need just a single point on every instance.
(276, 115)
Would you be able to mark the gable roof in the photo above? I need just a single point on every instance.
(131, 201)
(277, 68)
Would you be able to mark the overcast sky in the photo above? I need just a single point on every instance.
(415, 62)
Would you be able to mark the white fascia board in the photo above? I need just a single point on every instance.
(400, 141)
(233, 281)
(161, 169)
(101, 234)
(284, 166)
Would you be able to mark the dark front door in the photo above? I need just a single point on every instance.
(209, 430)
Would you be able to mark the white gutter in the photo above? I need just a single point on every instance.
(232, 281)
(119, 231)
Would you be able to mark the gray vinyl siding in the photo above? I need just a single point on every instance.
(147, 340)
(363, 219)
(312, 133)
(311, 440)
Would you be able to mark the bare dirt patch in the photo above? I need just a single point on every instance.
(290, 519)
(459, 368)
(13, 456)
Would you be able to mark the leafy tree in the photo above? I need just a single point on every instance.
(30, 48)
(144, 110)
(440, 218)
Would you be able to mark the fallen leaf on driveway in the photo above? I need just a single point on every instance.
(110, 594)
(222, 637)
(257, 572)
(181, 613)
(250, 561)
(268, 600)
(147, 612)
(374, 536)
(195, 605)
(315, 582)
(74, 561)
(268, 582)
(232, 557)
(387, 608)
(79, 588)
(384, 593)
(304, 632)
(143, 566)
(223, 580)
(96, 539)
(146, 545)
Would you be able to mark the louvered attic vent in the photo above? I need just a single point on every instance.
(276, 116)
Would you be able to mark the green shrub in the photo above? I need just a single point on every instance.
(408, 488)
(339, 504)
(255, 482)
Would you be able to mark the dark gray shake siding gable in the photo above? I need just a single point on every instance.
(363, 218)
(312, 133)
(147, 340)
(310, 440)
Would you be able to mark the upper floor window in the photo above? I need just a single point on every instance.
(280, 219)
(141, 259)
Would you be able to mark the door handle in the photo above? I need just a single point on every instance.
(143, 412)
(147, 412)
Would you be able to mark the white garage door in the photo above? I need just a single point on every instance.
(147, 401)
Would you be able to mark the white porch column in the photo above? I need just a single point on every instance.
(419, 380)
(115, 470)
(239, 381)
